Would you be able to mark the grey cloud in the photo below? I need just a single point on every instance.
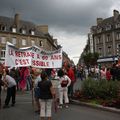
(70, 16)
(68, 20)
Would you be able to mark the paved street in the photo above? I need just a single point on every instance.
(25, 111)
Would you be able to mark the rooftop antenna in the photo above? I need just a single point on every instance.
(13, 12)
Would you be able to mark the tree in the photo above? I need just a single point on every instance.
(90, 58)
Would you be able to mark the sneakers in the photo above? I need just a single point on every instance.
(60, 106)
(66, 106)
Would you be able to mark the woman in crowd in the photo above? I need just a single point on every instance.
(64, 81)
(46, 95)
(37, 78)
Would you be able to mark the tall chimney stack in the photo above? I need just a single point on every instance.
(115, 14)
(17, 20)
(99, 20)
(43, 28)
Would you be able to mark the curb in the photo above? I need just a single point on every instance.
(100, 107)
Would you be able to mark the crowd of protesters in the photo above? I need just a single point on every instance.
(97, 72)
(40, 81)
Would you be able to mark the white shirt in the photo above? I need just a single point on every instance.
(11, 81)
(38, 79)
(65, 77)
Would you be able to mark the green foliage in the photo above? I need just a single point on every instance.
(90, 58)
(100, 89)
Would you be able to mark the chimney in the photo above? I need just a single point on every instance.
(43, 28)
(115, 14)
(99, 20)
(17, 20)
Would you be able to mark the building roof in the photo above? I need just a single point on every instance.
(9, 22)
(108, 22)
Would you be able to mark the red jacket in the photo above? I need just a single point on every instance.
(71, 75)
(108, 75)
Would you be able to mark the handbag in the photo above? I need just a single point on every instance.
(64, 83)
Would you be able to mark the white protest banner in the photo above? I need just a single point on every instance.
(32, 56)
(47, 59)
(17, 57)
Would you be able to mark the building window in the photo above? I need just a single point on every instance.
(14, 40)
(3, 27)
(108, 38)
(23, 42)
(109, 50)
(14, 30)
(117, 25)
(2, 54)
(108, 27)
(23, 31)
(41, 43)
(32, 32)
(117, 36)
(99, 40)
(33, 42)
(99, 30)
(118, 49)
(100, 52)
(3, 40)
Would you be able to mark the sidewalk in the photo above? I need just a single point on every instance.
(110, 109)
(23, 109)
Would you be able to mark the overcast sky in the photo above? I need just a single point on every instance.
(69, 21)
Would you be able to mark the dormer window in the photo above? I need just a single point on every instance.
(23, 31)
(32, 32)
(108, 27)
(3, 27)
(14, 30)
(117, 25)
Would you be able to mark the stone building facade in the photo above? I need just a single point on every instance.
(23, 34)
(106, 38)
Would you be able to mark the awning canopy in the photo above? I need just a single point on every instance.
(107, 59)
